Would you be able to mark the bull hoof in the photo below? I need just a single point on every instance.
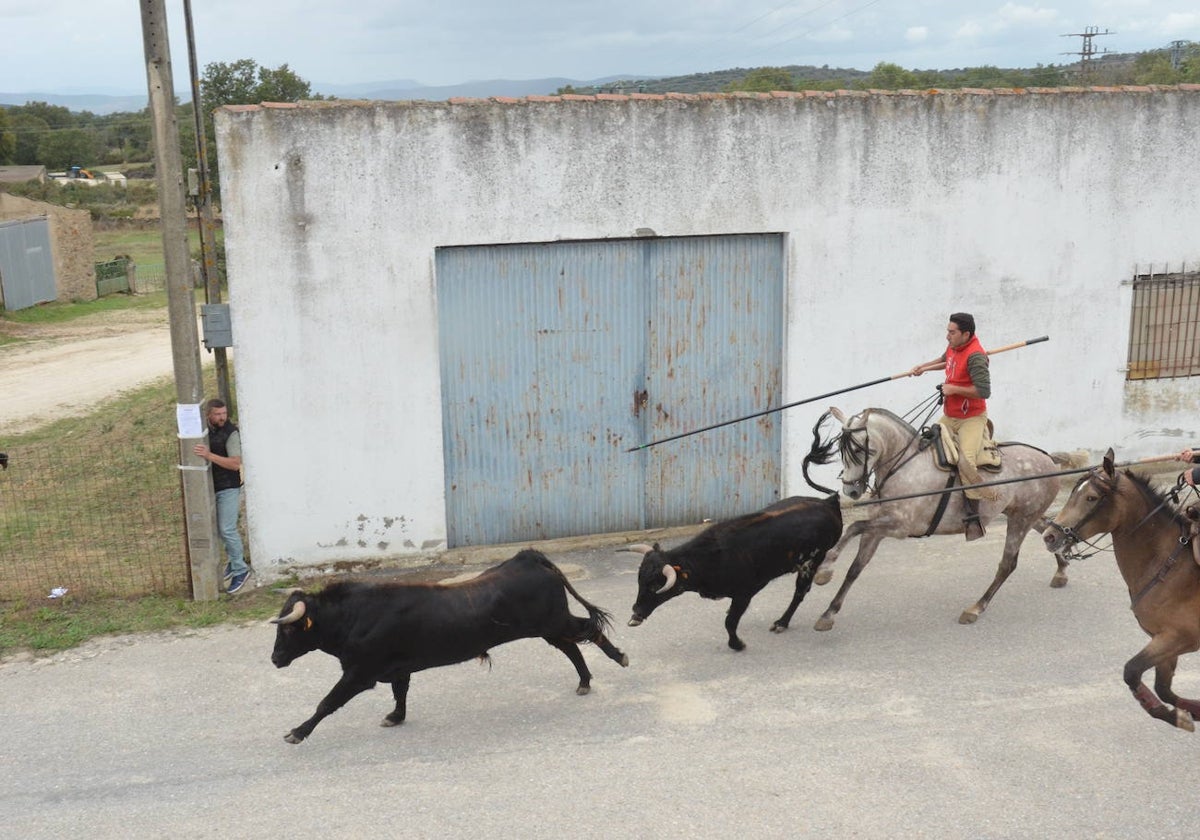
(635, 621)
(583, 689)
(823, 576)
(737, 644)
(778, 628)
(624, 660)
(1058, 581)
(391, 721)
(1184, 721)
(292, 738)
(969, 616)
(825, 622)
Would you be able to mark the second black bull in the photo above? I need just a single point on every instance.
(737, 558)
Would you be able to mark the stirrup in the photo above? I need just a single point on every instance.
(973, 527)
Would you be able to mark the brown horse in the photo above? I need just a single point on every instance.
(1150, 540)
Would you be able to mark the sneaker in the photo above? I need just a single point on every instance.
(238, 581)
(227, 574)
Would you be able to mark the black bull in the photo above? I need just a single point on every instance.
(735, 559)
(384, 632)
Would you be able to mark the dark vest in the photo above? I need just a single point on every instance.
(223, 479)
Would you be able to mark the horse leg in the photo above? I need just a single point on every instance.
(1013, 538)
(1164, 675)
(866, 550)
(825, 570)
(1150, 657)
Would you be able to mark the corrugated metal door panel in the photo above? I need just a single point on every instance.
(26, 264)
(541, 352)
(716, 333)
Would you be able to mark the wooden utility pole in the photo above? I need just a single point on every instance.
(198, 501)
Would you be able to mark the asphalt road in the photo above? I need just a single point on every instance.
(899, 722)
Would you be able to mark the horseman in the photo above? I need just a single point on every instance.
(964, 405)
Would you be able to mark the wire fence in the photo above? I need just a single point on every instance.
(92, 520)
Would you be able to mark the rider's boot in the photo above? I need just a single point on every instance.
(972, 522)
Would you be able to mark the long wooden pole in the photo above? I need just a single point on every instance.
(1154, 459)
(923, 369)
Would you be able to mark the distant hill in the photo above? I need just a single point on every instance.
(404, 89)
(94, 102)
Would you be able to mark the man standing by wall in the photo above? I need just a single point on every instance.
(224, 452)
(965, 392)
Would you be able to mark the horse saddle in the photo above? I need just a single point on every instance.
(945, 449)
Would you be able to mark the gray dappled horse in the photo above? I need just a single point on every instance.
(875, 443)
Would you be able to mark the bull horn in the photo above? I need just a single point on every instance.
(295, 615)
(638, 548)
(669, 571)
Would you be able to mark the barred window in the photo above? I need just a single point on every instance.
(1164, 331)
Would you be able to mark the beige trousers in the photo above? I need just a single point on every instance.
(969, 431)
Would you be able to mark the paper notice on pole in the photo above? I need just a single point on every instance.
(187, 417)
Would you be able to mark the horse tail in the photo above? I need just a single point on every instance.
(1078, 458)
(822, 452)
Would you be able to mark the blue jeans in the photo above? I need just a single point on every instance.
(228, 505)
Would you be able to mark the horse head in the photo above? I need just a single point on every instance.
(1090, 509)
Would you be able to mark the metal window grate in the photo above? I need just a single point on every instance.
(1164, 334)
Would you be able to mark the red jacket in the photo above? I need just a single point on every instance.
(957, 374)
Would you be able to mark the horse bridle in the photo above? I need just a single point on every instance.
(1071, 535)
(855, 450)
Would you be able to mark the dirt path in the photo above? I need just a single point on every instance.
(64, 370)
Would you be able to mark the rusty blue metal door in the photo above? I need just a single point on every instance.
(26, 264)
(558, 357)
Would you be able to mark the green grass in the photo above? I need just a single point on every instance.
(143, 246)
(57, 312)
(43, 626)
(53, 626)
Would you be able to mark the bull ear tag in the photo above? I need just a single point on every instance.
(307, 623)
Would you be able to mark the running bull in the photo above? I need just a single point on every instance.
(384, 632)
(737, 558)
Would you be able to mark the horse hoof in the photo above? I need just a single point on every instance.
(968, 617)
(824, 623)
(1058, 581)
(822, 577)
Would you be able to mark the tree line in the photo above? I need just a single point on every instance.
(1179, 64)
(53, 136)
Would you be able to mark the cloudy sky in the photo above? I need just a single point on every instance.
(64, 46)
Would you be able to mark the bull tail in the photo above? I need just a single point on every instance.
(598, 620)
(822, 452)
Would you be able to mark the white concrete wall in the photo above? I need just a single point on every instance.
(1027, 209)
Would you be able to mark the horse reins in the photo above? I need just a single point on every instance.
(1164, 569)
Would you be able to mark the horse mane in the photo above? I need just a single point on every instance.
(820, 453)
(1162, 500)
(852, 451)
